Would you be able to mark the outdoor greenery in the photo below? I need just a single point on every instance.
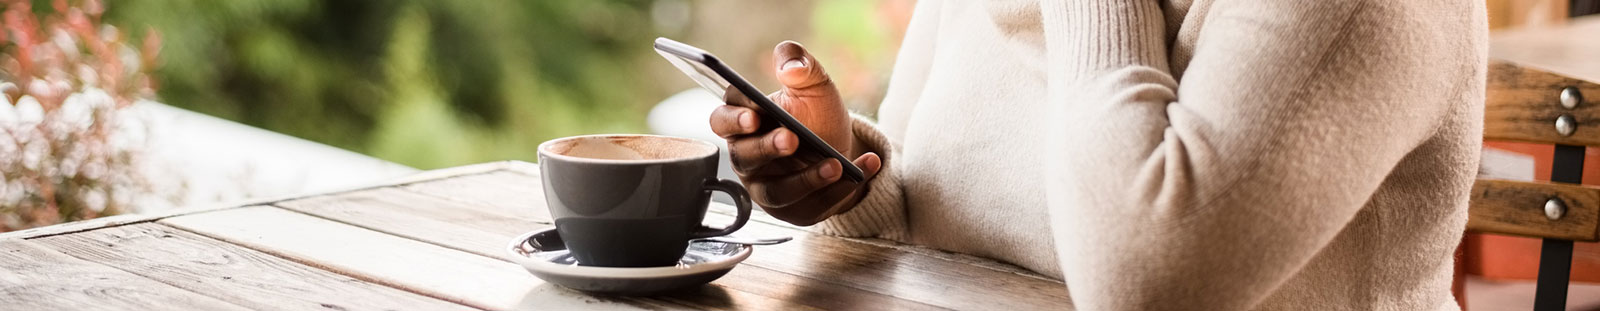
(435, 83)
(423, 83)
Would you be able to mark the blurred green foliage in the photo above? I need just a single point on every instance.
(424, 83)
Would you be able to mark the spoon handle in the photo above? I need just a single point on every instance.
(746, 241)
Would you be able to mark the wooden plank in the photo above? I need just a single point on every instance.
(464, 170)
(723, 298)
(422, 218)
(232, 273)
(393, 261)
(1522, 104)
(508, 192)
(937, 281)
(900, 273)
(36, 278)
(808, 292)
(486, 231)
(1517, 208)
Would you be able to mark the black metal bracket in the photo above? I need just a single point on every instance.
(1555, 255)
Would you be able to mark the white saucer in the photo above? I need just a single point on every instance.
(545, 255)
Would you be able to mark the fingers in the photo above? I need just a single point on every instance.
(785, 190)
(819, 204)
(729, 121)
(824, 203)
(870, 164)
(749, 153)
(799, 72)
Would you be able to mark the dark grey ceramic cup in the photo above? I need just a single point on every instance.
(633, 200)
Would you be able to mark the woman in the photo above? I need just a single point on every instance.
(1187, 155)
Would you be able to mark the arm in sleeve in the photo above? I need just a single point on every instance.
(1210, 194)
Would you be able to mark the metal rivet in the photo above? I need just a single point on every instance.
(1570, 97)
(1565, 125)
(1554, 209)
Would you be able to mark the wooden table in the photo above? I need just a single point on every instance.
(434, 242)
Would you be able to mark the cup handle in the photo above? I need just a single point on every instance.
(741, 199)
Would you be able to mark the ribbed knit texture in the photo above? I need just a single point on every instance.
(1313, 154)
(882, 212)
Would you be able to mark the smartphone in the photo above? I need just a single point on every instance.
(712, 75)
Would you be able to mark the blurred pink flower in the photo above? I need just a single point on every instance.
(66, 78)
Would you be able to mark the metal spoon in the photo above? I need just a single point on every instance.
(746, 241)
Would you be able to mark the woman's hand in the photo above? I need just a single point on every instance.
(799, 190)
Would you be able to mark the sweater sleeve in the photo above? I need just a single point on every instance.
(1212, 193)
(882, 212)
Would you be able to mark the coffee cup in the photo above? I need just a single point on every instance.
(633, 200)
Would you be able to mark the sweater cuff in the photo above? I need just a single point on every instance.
(881, 213)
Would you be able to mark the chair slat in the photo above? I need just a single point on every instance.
(1517, 208)
(1522, 104)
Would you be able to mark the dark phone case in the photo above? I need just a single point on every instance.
(769, 110)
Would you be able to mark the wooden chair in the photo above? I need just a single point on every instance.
(1530, 105)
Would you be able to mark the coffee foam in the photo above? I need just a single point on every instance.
(629, 148)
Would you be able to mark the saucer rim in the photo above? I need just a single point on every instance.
(543, 266)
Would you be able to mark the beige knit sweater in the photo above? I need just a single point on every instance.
(1286, 154)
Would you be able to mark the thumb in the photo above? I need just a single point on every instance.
(870, 164)
(799, 71)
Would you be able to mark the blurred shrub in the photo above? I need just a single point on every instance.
(423, 83)
(65, 151)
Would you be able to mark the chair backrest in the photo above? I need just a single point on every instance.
(1525, 104)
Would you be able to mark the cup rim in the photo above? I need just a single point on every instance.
(544, 152)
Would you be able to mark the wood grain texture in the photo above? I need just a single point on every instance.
(398, 262)
(934, 280)
(232, 273)
(509, 192)
(486, 231)
(913, 276)
(1522, 104)
(1517, 208)
(33, 277)
(420, 217)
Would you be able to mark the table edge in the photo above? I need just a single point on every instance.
(128, 219)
